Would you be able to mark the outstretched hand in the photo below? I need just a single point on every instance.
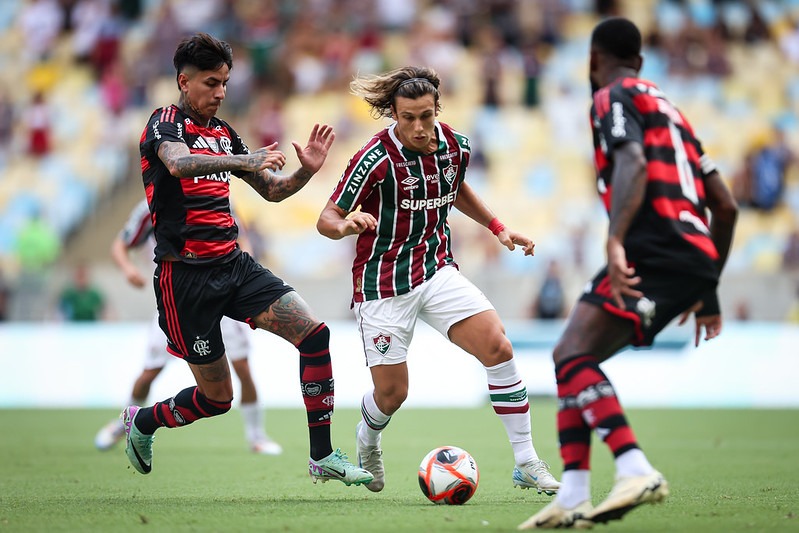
(710, 323)
(510, 238)
(313, 155)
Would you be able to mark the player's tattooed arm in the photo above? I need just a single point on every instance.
(276, 188)
(182, 163)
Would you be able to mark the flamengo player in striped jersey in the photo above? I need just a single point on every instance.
(137, 233)
(188, 158)
(405, 181)
(664, 261)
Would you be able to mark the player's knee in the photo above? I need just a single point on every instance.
(499, 351)
(391, 398)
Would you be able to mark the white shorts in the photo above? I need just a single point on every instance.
(387, 325)
(234, 334)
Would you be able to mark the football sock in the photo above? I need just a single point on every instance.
(585, 387)
(181, 410)
(574, 434)
(374, 420)
(509, 400)
(253, 421)
(316, 379)
(575, 488)
(633, 463)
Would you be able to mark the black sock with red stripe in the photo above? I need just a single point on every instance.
(181, 410)
(316, 379)
(587, 401)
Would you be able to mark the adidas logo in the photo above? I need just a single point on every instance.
(200, 144)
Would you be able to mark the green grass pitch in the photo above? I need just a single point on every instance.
(729, 470)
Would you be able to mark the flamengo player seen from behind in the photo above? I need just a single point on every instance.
(138, 234)
(405, 180)
(188, 158)
(664, 260)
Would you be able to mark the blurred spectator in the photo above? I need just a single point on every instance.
(114, 88)
(757, 29)
(789, 43)
(769, 166)
(760, 181)
(40, 23)
(549, 302)
(37, 122)
(742, 311)
(37, 248)
(80, 300)
(6, 125)
(269, 126)
(5, 298)
(491, 45)
(87, 20)
(790, 254)
(531, 66)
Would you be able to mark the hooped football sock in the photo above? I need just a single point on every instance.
(316, 379)
(375, 421)
(509, 400)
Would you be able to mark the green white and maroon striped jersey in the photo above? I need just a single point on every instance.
(410, 194)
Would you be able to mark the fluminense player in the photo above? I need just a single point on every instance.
(396, 195)
(137, 233)
(663, 260)
(188, 158)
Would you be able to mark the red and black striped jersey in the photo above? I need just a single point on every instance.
(191, 216)
(670, 230)
(410, 194)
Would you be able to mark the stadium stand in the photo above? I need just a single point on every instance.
(735, 79)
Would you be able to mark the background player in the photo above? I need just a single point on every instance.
(137, 233)
(663, 260)
(405, 181)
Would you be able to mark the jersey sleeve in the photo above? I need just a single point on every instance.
(138, 227)
(366, 168)
(622, 122)
(163, 127)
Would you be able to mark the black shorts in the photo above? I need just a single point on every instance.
(193, 298)
(666, 295)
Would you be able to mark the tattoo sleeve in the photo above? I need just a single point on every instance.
(276, 188)
(183, 164)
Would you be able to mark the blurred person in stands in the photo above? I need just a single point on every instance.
(37, 248)
(81, 300)
(37, 122)
(663, 261)
(6, 125)
(5, 297)
(138, 233)
(189, 156)
(790, 254)
(40, 23)
(549, 303)
(396, 195)
(770, 164)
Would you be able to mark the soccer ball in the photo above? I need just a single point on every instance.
(448, 475)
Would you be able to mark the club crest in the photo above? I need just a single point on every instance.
(382, 342)
(450, 173)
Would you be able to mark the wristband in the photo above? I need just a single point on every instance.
(495, 226)
(710, 301)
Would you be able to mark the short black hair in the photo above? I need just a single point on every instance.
(203, 52)
(618, 37)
